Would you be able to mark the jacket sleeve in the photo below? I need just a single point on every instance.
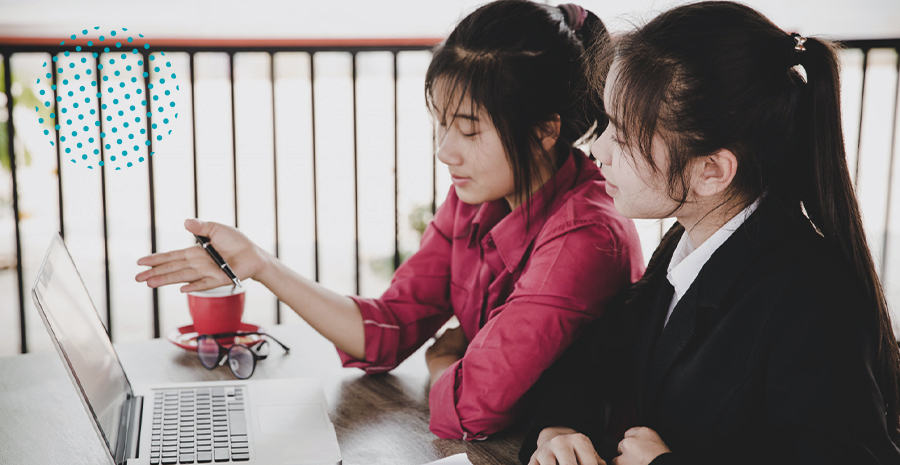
(590, 388)
(568, 282)
(416, 304)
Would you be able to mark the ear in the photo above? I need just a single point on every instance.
(713, 173)
(548, 132)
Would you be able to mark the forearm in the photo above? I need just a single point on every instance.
(335, 316)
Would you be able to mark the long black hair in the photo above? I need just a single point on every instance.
(714, 75)
(522, 63)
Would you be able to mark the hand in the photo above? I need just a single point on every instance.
(452, 343)
(564, 446)
(445, 351)
(640, 447)
(195, 267)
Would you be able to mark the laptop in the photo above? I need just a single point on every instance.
(273, 422)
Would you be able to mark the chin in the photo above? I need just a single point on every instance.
(468, 197)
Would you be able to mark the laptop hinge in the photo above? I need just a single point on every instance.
(134, 428)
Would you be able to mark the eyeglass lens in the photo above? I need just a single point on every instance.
(208, 350)
(241, 360)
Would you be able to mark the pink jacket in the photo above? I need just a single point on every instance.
(521, 295)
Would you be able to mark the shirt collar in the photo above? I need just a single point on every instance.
(507, 230)
(687, 261)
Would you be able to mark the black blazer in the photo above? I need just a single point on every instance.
(769, 357)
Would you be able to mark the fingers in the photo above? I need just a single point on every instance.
(184, 275)
(169, 267)
(621, 447)
(585, 452)
(587, 455)
(565, 455)
(568, 449)
(200, 228)
(205, 284)
(163, 257)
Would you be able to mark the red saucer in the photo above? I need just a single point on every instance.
(186, 337)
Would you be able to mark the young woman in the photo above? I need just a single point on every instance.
(515, 250)
(763, 335)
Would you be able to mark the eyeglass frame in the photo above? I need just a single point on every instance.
(225, 354)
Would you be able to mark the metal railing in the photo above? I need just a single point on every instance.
(9, 47)
(231, 48)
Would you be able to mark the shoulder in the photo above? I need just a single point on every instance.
(810, 289)
(588, 210)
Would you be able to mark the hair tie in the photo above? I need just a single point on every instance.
(798, 49)
(574, 14)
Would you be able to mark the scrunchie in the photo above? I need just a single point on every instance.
(575, 15)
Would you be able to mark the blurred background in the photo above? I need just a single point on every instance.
(304, 124)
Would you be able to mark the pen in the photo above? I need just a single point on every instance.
(204, 242)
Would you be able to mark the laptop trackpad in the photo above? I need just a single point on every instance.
(297, 418)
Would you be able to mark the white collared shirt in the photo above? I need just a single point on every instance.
(687, 261)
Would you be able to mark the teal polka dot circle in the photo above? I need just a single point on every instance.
(93, 110)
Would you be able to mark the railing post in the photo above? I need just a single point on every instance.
(11, 151)
(62, 223)
(155, 291)
(396, 174)
(355, 174)
(312, 91)
(275, 170)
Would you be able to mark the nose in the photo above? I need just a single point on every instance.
(448, 149)
(597, 150)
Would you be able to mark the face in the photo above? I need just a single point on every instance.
(638, 190)
(468, 143)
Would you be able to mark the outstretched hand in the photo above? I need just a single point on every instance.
(196, 268)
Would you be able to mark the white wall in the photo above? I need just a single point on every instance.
(846, 19)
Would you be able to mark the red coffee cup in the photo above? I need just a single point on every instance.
(217, 310)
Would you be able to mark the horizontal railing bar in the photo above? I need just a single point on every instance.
(43, 44)
(871, 43)
(157, 47)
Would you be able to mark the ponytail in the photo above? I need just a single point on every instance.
(825, 189)
(590, 31)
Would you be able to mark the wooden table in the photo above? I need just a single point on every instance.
(380, 419)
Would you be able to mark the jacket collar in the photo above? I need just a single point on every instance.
(511, 232)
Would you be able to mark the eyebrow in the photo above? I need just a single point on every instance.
(472, 118)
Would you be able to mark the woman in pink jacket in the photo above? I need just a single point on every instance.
(526, 249)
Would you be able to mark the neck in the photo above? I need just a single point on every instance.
(544, 175)
(701, 225)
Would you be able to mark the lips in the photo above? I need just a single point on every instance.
(459, 180)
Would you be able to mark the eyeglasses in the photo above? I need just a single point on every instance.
(242, 359)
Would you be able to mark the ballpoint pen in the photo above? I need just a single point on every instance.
(204, 242)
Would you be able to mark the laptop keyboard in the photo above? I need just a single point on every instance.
(204, 425)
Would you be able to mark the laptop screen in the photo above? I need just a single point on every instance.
(84, 345)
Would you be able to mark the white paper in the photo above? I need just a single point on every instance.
(458, 459)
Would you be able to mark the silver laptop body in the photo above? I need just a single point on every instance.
(274, 422)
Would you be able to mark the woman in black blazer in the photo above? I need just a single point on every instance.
(760, 333)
